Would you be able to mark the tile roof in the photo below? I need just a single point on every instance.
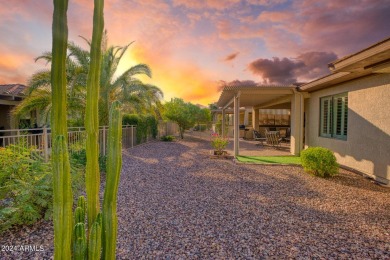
(17, 90)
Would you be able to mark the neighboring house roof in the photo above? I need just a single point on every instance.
(13, 90)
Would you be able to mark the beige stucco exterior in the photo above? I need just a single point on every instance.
(367, 148)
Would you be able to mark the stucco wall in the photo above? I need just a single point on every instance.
(367, 148)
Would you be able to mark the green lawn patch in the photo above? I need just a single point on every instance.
(270, 159)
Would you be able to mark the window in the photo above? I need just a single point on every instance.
(334, 116)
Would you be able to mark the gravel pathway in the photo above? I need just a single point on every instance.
(176, 203)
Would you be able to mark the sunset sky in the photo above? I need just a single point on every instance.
(191, 46)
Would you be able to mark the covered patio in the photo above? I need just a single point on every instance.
(236, 98)
(252, 148)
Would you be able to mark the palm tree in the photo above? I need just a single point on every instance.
(136, 96)
(133, 93)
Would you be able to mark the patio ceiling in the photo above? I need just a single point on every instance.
(254, 95)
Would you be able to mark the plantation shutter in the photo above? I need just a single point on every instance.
(340, 116)
(325, 117)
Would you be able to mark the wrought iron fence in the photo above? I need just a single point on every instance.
(39, 139)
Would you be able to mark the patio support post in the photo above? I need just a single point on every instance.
(255, 118)
(236, 123)
(246, 117)
(223, 123)
(297, 109)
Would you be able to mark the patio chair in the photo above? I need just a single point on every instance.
(273, 138)
(257, 137)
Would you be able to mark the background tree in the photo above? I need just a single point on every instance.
(185, 114)
(136, 96)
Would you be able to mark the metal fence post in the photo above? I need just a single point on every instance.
(104, 140)
(45, 145)
(132, 136)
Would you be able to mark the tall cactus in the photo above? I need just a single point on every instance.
(62, 199)
(114, 165)
(91, 119)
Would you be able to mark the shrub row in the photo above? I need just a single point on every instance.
(146, 126)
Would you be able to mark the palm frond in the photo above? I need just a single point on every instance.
(40, 99)
(47, 56)
(139, 69)
(41, 79)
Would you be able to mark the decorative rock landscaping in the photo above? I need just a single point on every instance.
(176, 202)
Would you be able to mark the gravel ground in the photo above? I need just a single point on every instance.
(175, 202)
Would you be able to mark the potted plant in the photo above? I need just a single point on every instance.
(219, 144)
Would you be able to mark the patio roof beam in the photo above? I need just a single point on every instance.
(232, 100)
(274, 102)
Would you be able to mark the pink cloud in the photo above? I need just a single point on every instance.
(205, 4)
(307, 66)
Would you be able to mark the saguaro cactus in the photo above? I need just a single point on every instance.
(62, 199)
(92, 174)
(114, 165)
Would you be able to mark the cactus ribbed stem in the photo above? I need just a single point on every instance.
(95, 242)
(79, 215)
(114, 165)
(62, 199)
(80, 242)
(91, 118)
(82, 203)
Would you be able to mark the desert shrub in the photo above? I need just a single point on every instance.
(25, 187)
(319, 161)
(167, 138)
(219, 143)
(26, 193)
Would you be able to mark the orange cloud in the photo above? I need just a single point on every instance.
(175, 77)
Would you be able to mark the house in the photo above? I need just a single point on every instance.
(10, 96)
(347, 111)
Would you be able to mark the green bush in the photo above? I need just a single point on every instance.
(78, 157)
(167, 138)
(146, 126)
(26, 187)
(26, 193)
(152, 125)
(130, 119)
(319, 161)
(219, 144)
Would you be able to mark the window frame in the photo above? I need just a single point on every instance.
(334, 116)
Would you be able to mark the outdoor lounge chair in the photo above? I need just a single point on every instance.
(273, 138)
(257, 137)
